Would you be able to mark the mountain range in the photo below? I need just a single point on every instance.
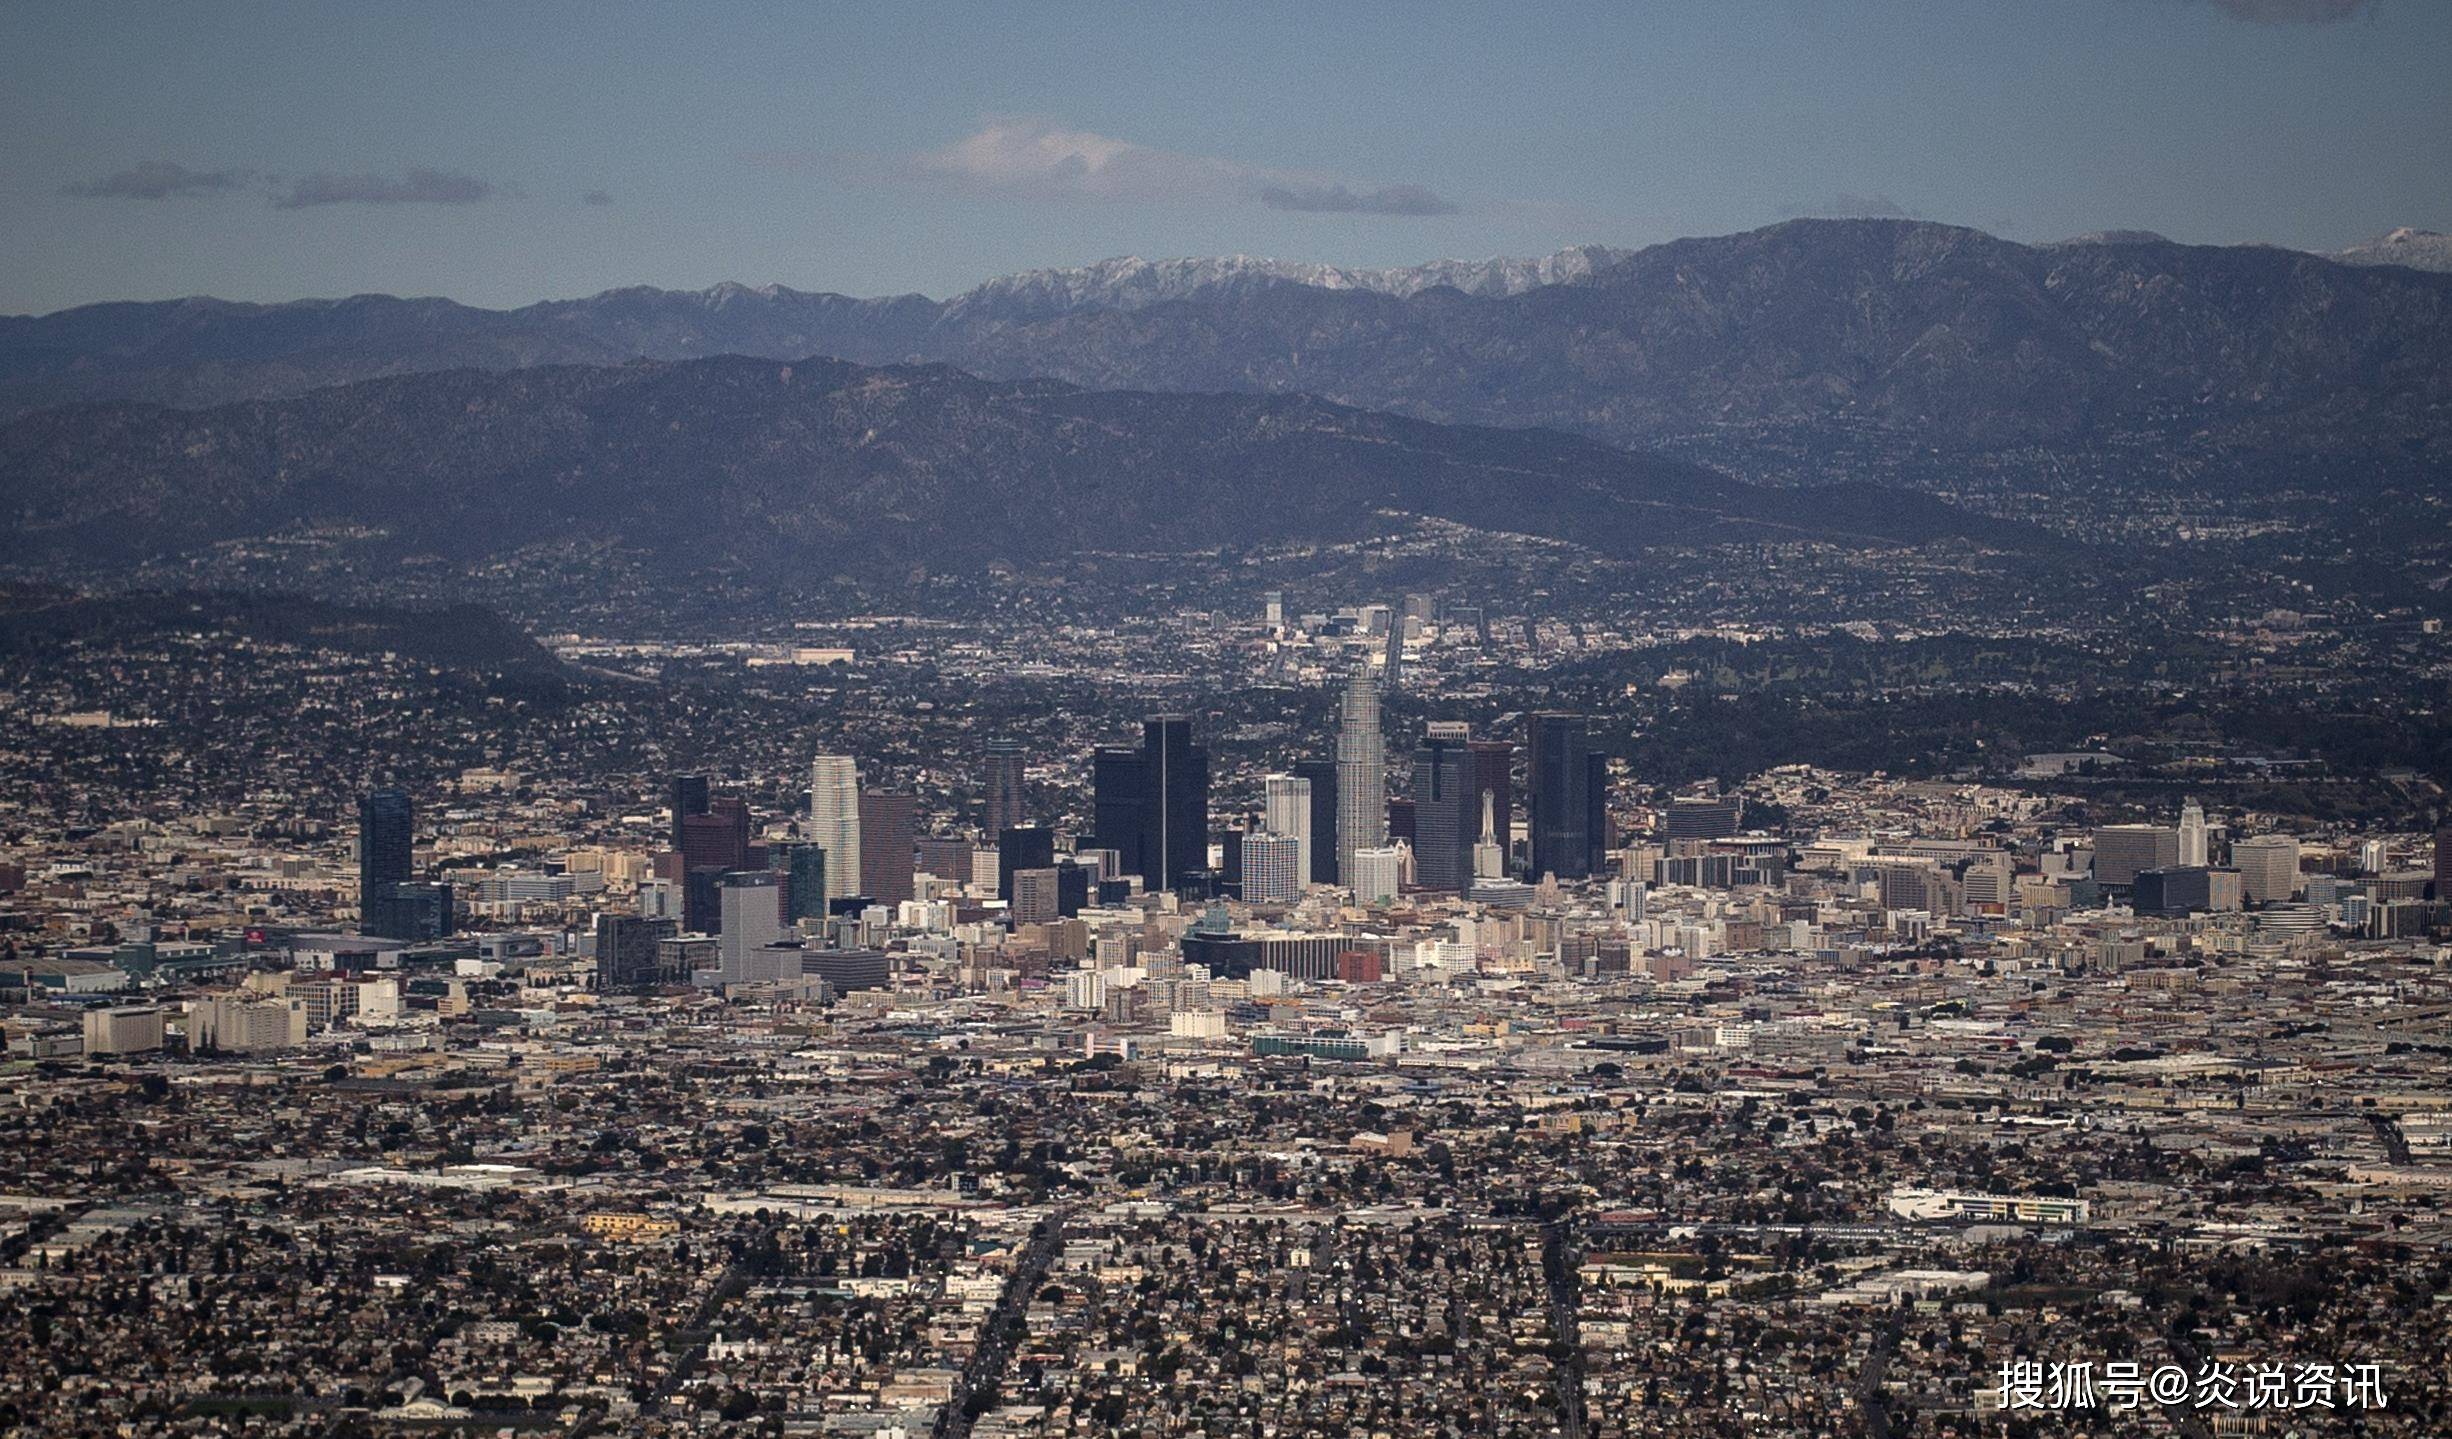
(809, 466)
(1931, 337)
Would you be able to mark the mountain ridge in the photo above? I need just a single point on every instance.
(1798, 336)
(774, 467)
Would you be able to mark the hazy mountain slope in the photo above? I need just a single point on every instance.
(750, 463)
(199, 352)
(37, 623)
(1929, 337)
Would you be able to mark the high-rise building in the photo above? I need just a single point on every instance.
(1285, 809)
(716, 837)
(1378, 872)
(2443, 861)
(803, 867)
(1362, 773)
(1036, 894)
(1152, 804)
(1273, 608)
(689, 797)
(2192, 836)
(1006, 808)
(947, 857)
(1446, 813)
(834, 820)
(391, 903)
(1028, 847)
(387, 838)
(889, 833)
(714, 842)
(1321, 775)
(1566, 781)
(752, 917)
(2268, 866)
(1272, 869)
(1119, 801)
(1179, 813)
(2124, 851)
(626, 948)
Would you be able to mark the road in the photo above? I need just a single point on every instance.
(1869, 1390)
(1558, 1264)
(997, 1336)
(2388, 1129)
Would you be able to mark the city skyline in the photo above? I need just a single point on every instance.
(1692, 719)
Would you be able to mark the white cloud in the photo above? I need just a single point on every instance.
(1041, 159)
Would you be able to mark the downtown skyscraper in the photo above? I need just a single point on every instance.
(391, 904)
(1005, 807)
(1568, 781)
(1286, 810)
(1362, 774)
(1151, 805)
(834, 820)
(1446, 810)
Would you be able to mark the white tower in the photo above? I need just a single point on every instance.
(2192, 836)
(834, 820)
(1488, 861)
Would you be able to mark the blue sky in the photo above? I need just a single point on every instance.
(506, 153)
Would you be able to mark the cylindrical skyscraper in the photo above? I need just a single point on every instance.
(834, 820)
(1362, 774)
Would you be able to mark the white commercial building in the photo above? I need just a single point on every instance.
(1286, 810)
(1272, 868)
(1377, 873)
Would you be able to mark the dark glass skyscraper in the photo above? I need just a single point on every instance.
(1152, 804)
(1005, 807)
(626, 948)
(387, 835)
(1323, 776)
(1020, 849)
(1446, 815)
(1567, 783)
(689, 797)
(391, 904)
(803, 866)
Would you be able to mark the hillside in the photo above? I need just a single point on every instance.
(817, 464)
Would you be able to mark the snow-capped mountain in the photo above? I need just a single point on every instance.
(2416, 249)
(1132, 283)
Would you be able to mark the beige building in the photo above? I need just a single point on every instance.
(246, 1024)
(2268, 866)
(123, 1029)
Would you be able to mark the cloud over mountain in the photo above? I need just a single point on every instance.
(1035, 158)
